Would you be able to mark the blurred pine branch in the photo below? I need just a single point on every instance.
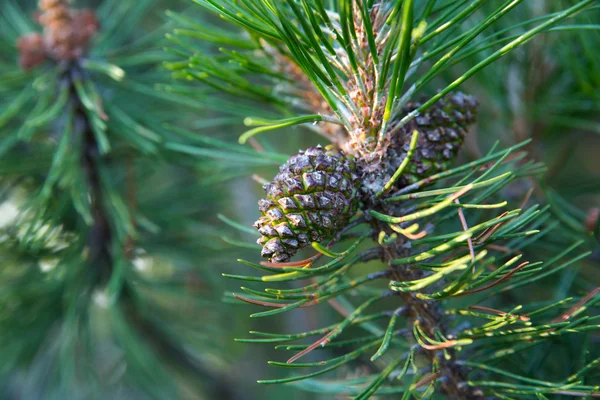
(104, 244)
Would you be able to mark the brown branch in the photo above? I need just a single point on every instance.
(306, 262)
(262, 303)
(497, 282)
(523, 318)
(321, 342)
(259, 179)
(496, 247)
(335, 304)
(447, 344)
(485, 235)
(100, 236)
(526, 198)
(426, 380)
(256, 145)
(578, 305)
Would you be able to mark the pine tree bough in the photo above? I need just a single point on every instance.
(297, 211)
(317, 192)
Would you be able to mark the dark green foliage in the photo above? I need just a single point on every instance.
(104, 289)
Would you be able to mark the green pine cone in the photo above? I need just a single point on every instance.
(442, 129)
(311, 199)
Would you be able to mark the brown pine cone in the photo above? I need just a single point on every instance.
(442, 129)
(31, 50)
(312, 198)
(66, 37)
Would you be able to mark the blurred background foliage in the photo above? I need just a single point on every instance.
(49, 350)
(546, 90)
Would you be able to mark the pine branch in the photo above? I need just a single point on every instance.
(364, 63)
(100, 240)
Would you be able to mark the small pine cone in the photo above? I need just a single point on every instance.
(442, 129)
(31, 50)
(67, 32)
(86, 25)
(311, 199)
(58, 29)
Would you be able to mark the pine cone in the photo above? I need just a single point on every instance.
(312, 198)
(67, 34)
(31, 50)
(442, 129)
